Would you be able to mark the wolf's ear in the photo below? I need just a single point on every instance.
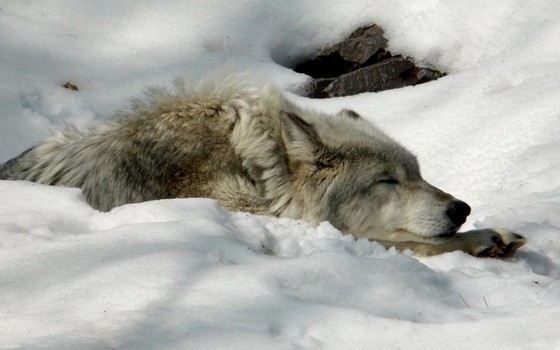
(301, 141)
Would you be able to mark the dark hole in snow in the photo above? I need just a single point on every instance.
(361, 63)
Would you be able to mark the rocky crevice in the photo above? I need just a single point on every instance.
(361, 63)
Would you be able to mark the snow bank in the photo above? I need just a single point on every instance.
(186, 273)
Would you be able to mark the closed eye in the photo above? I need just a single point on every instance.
(389, 181)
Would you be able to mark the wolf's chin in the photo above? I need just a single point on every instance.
(444, 236)
(440, 238)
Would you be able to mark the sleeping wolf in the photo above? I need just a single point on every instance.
(252, 150)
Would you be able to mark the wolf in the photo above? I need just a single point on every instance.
(250, 148)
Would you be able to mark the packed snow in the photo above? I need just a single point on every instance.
(187, 274)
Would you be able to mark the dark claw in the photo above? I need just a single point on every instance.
(488, 253)
(497, 240)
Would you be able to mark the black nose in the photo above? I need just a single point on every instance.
(458, 211)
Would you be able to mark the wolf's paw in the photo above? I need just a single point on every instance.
(493, 243)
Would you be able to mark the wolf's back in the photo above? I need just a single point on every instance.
(171, 143)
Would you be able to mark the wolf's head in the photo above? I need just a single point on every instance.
(346, 171)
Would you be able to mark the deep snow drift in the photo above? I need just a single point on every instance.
(186, 273)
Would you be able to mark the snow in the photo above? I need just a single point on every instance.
(187, 274)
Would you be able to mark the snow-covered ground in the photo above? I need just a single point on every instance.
(187, 274)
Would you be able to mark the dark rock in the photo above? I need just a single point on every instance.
(318, 85)
(361, 63)
(421, 75)
(365, 46)
(361, 46)
(385, 75)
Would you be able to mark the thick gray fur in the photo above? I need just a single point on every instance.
(247, 146)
